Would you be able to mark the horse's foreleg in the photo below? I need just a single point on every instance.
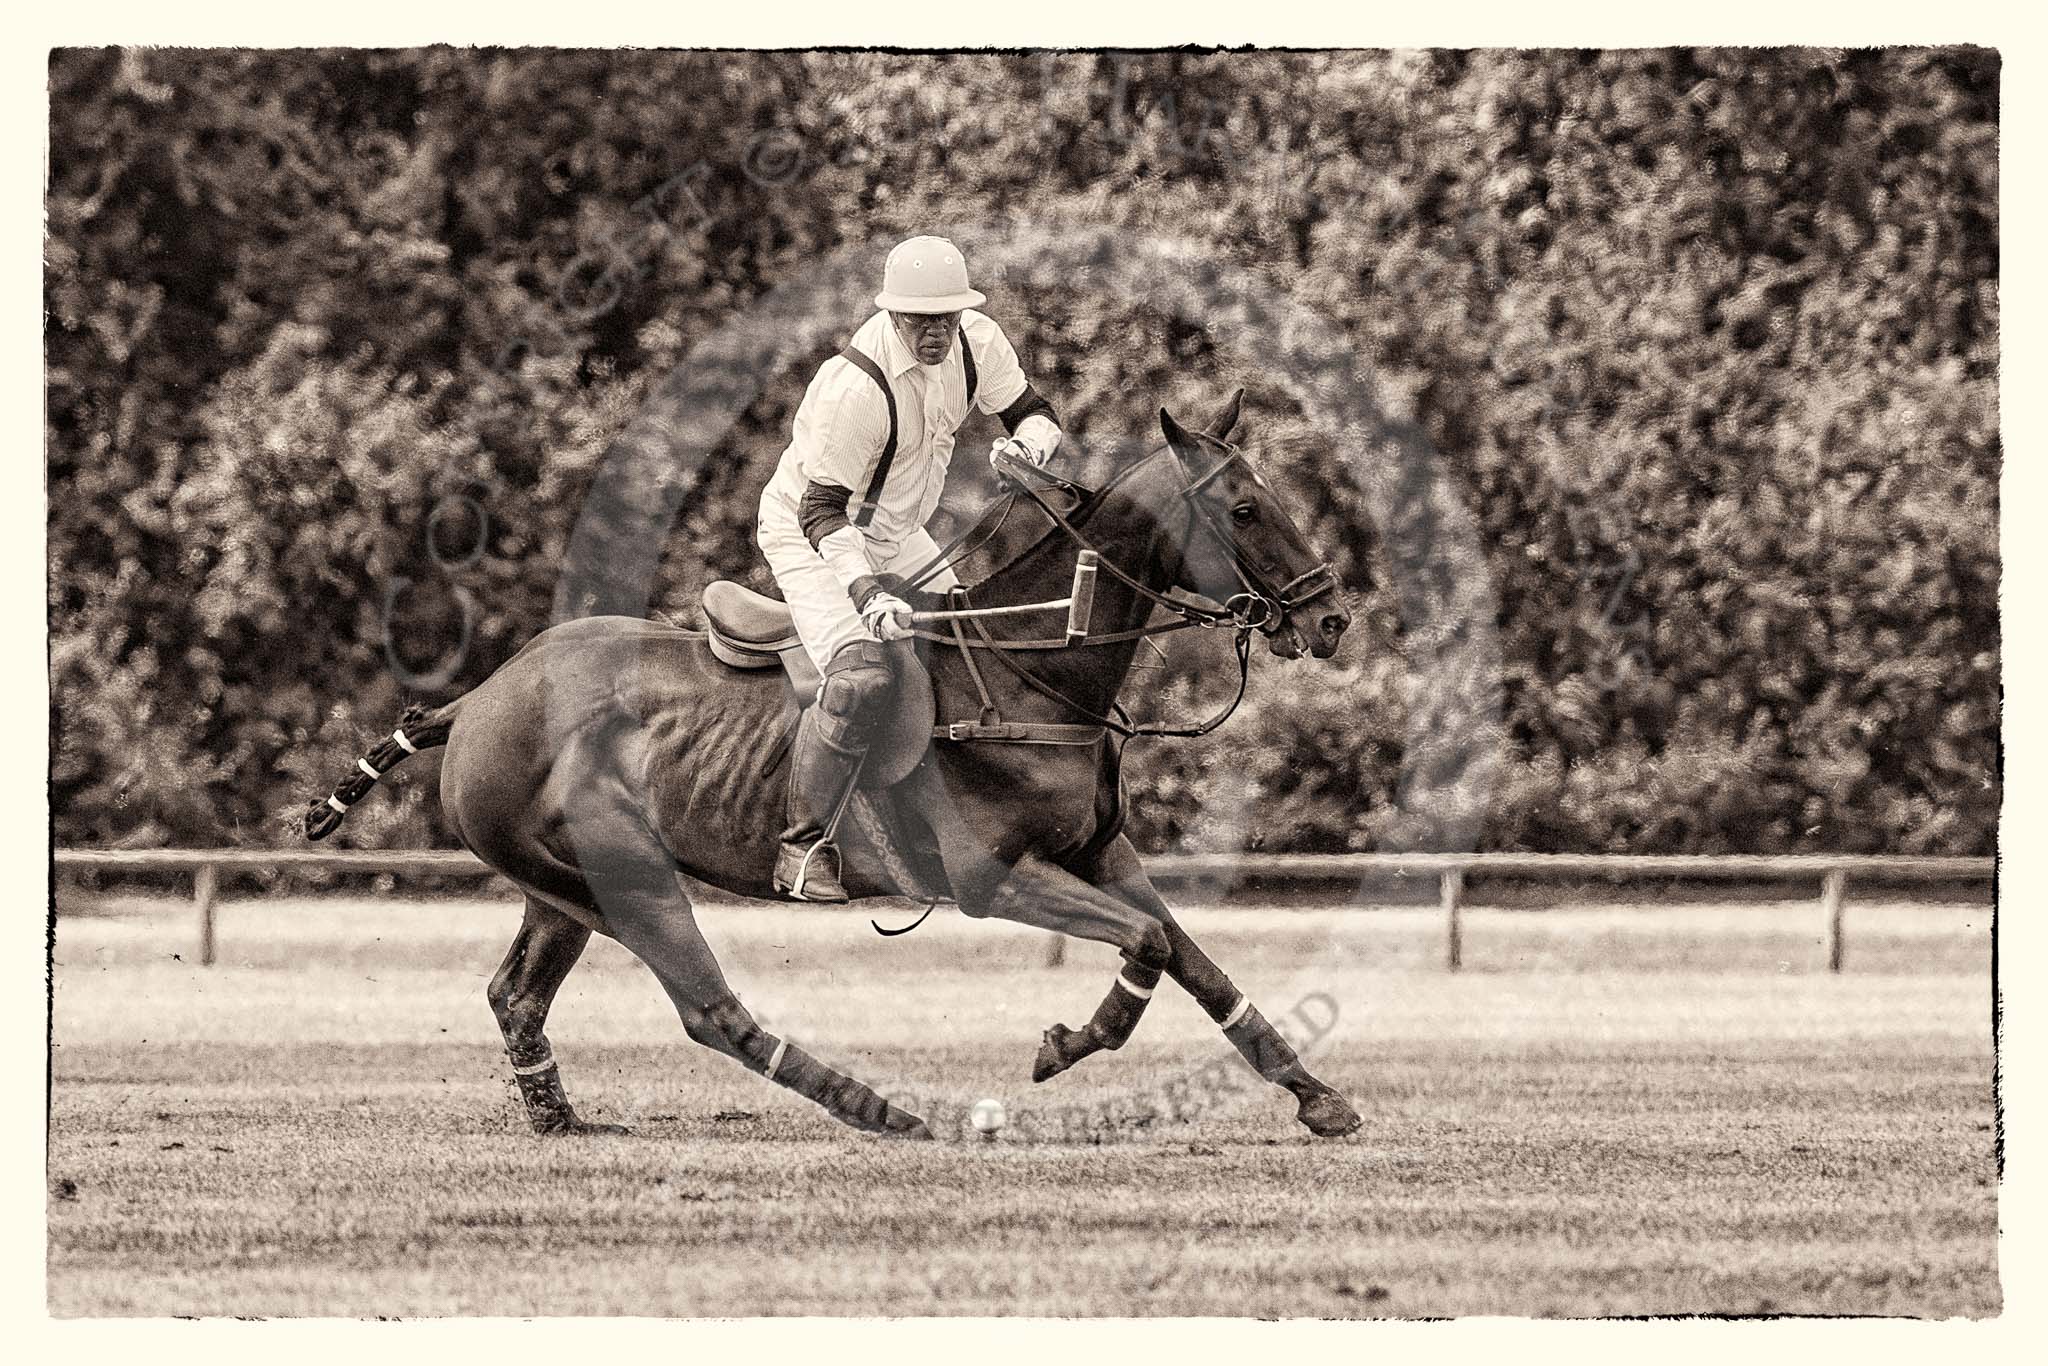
(521, 994)
(1120, 874)
(1110, 1028)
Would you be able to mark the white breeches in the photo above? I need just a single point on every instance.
(824, 615)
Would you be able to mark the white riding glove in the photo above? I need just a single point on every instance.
(1016, 449)
(1012, 447)
(1035, 440)
(887, 617)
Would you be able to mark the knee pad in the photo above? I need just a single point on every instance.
(854, 689)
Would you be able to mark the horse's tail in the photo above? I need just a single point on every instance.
(420, 728)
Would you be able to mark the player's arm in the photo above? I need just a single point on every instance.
(1026, 414)
(855, 431)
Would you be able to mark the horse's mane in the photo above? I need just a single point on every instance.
(1025, 526)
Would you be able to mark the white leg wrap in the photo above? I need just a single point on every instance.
(364, 765)
(775, 1058)
(534, 1069)
(398, 737)
(1237, 1012)
(1142, 993)
(338, 804)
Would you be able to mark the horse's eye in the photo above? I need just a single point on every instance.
(1244, 514)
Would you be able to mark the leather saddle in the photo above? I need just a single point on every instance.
(750, 630)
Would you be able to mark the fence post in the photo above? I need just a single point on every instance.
(1832, 888)
(1454, 918)
(205, 883)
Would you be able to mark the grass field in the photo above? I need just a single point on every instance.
(1612, 1111)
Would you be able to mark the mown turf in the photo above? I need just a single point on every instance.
(323, 1124)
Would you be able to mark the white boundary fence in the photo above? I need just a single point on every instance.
(1831, 871)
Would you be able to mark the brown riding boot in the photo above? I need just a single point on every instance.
(807, 865)
(824, 765)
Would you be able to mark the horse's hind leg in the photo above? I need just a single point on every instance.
(521, 994)
(663, 933)
(1119, 873)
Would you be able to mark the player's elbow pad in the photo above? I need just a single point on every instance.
(1028, 405)
(822, 510)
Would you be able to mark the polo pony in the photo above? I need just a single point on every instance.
(612, 754)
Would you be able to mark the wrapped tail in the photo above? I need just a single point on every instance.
(420, 728)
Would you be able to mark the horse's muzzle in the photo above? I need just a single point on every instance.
(1330, 628)
(1318, 635)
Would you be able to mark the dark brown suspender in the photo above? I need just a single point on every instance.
(873, 371)
(874, 493)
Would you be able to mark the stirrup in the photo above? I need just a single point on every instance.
(817, 885)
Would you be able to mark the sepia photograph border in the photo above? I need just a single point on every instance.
(2022, 888)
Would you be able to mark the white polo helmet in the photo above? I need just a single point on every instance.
(927, 275)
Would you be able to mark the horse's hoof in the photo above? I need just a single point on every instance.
(1060, 1049)
(1329, 1115)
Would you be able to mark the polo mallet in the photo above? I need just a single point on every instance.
(1079, 602)
(1081, 598)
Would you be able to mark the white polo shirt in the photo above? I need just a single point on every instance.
(843, 424)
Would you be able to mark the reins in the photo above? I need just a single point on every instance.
(1242, 647)
(1259, 607)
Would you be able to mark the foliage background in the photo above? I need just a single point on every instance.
(1704, 342)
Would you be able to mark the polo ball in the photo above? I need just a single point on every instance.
(987, 1117)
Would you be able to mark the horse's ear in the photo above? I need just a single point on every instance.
(1226, 417)
(1177, 436)
(1187, 447)
(1194, 457)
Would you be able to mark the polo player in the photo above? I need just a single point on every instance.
(848, 502)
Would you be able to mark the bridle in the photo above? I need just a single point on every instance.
(1259, 607)
(1263, 607)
